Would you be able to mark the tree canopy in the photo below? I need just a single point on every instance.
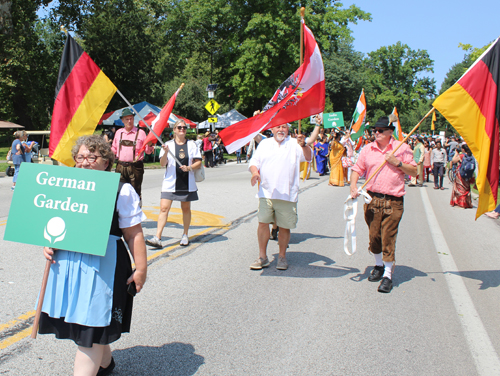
(149, 47)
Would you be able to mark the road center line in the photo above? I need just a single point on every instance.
(480, 346)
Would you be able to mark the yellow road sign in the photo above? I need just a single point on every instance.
(212, 119)
(212, 106)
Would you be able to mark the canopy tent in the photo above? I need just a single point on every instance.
(191, 124)
(224, 120)
(9, 125)
(147, 110)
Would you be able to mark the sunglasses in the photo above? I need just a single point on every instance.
(181, 127)
(380, 130)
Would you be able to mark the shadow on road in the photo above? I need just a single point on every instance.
(299, 237)
(402, 274)
(173, 359)
(488, 278)
(307, 265)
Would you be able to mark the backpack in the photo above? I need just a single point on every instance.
(467, 167)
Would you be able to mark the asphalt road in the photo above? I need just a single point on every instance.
(203, 311)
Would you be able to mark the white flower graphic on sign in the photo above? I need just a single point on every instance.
(55, 228)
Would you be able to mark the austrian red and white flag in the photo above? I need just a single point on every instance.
(161, 121)
(300, 96)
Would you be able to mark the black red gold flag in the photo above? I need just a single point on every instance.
(83, 92)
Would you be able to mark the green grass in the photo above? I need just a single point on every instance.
(3, 152)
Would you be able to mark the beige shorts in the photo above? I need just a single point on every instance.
(284, 211)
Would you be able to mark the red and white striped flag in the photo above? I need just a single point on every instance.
(300, 96)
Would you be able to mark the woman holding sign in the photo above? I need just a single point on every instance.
(89, 298)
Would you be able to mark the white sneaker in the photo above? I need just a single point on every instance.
(184, 240)
(154, 242)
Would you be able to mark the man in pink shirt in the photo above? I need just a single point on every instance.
(387, 189)
(126, 144)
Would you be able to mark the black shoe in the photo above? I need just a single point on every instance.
(385, 286)
(376, 274)
(107, 370)
(274, 233)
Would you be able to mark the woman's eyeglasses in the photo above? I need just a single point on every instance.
(181, 127)
(91, 158)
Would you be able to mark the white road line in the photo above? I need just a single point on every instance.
(480, 346)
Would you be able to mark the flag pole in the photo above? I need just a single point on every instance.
(402, 142)
(144, 121)
(302, 12)
(45, 278)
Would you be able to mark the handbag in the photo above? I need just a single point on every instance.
(347, 162)
(199, 174)
(10, 171)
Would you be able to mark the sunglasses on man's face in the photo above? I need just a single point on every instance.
(181, 128)
(380, 130)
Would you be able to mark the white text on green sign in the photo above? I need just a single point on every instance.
(69, 208)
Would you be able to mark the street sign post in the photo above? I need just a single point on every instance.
(213, 119)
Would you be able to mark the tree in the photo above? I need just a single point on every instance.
(254, 45)
(395, 79)
(345, 76)
(28, 55)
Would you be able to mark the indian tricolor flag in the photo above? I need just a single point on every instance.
(82, 94)
(398, 133)
(358, 118)
(472, 106)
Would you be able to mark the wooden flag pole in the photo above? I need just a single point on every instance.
(302, 12)
(402, 142)
(34, 330)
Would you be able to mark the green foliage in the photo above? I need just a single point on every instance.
(395, 79)
(27, 57)
(345, 76)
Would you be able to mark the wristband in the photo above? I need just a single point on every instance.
(400, 164)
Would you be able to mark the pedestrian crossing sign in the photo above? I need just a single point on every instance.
(212, 106)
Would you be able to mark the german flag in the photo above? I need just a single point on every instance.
(82, 94)
(472, 106)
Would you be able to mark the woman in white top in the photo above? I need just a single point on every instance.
(178, 183)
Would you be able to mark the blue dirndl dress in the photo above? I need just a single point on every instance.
(86, 298)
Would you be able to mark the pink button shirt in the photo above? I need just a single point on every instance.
(125, 153)
(389, 180)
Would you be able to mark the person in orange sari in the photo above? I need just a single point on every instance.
(336, 152)
(460, 195)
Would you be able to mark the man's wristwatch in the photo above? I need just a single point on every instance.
(399, 164)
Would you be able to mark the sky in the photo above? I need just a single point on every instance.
(436, 26)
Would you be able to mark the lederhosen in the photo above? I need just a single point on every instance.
(131, 172)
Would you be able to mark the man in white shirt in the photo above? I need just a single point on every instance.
(276, 166)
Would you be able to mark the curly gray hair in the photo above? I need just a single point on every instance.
(95, 143)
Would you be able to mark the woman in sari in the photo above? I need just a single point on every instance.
(336, 169)
(460, 195)
(321, 149)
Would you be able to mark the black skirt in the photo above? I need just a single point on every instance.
(121, 314)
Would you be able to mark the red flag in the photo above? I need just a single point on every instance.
(160, 122)
(300, 96)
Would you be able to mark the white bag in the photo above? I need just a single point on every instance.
(199, 174)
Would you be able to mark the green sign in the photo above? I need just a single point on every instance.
(333, 119)
(63, 208)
